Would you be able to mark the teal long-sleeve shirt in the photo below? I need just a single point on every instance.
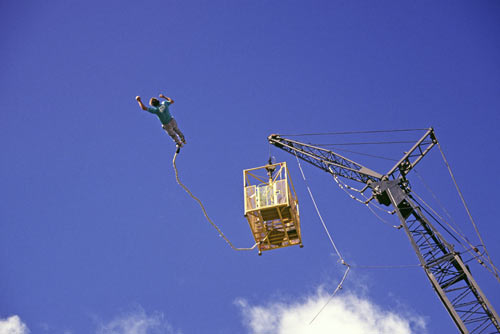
(162, 112)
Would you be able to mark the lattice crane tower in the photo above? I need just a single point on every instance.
(451, 279)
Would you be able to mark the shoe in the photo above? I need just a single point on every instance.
(179, 145)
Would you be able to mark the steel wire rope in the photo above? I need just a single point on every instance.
(427, 209)
(349, 132)
(332, 294)
(471, 250)
(495, 269)
(453, 228)
(343, 186)
(488, 258)
(349, 266)
(402, 266)
(203, 209)
(339, 286)
(366, 154)
(443, 208)
(319, 214)
(367, 143)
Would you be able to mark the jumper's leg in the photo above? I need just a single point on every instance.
(177, 131)
(170, 130)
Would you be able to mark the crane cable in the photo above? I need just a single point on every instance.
(433, 212)
(455, 226)
(451, 223)
(345, 186)
(319, 215)
(341, 259)
(350, 132)
(471, 249)
(495, 269)
(204, 211)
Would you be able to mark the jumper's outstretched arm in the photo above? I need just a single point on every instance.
(138, 99)
(167, 98)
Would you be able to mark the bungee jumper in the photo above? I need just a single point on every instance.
(168, 123)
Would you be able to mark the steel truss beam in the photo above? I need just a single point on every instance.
(450, 277)
(413, 156)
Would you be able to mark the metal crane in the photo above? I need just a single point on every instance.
(450, 277)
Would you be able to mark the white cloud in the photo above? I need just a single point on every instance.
(137, 322)
(346, 313)
(13, 325)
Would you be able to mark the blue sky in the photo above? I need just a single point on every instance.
(97, 236)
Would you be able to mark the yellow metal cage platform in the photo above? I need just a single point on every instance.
(271, 207)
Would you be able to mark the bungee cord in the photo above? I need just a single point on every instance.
(204, 211)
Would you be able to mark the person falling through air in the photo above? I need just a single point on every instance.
(168, 123)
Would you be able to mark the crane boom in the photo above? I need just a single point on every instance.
(449, 276)
(328, 161)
